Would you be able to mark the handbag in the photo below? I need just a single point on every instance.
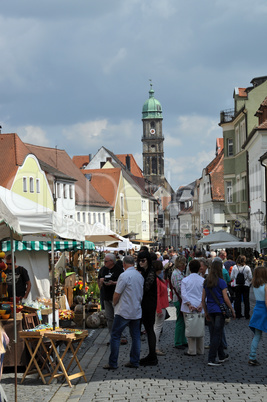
(227, 313)
(194, 325)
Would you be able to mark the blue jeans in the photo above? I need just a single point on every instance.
(216, 331)
(254, 344)
(119, 324)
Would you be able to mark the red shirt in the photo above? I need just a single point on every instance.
(162, 295)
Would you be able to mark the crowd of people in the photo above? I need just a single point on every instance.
(205, 289)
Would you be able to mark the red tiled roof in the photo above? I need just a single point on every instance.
(80, 160)
(219, 144)
(135, 169)
(216, 171)
(59, 159)
(165, 202)
(242, 92)
(13, 154)
(106, 182)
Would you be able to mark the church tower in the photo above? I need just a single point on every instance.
(153, 155)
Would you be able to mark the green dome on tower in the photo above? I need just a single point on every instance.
(152, 108)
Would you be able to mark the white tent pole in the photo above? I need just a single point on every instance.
(83, 251)
(14, 308)
(53, 281)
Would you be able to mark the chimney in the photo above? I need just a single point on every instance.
(128, 163)
(109, 159)
(0, 129)
(90, 157)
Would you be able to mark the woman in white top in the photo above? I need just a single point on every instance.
(241, 287)
(191, 292)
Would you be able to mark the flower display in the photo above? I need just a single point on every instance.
(66, 314)
(78, 288)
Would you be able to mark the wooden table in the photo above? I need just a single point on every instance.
(40, 355)
(73, 340)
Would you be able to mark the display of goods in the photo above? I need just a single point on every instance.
(6, 307)
(65, 314)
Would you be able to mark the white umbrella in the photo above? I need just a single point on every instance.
(218, 237)
(98, 233)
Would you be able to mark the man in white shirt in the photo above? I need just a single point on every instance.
(128, 312)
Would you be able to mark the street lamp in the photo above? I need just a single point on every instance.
(259, 216)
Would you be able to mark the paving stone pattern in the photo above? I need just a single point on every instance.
(176, 378)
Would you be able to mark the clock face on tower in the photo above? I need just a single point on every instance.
(152, 131)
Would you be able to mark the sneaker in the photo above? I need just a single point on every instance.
(226, 357)
(254, 363)
(214, 364)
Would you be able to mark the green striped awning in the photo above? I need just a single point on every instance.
(67, 245)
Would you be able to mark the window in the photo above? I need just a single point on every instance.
(143, 205)
(126, 225)
(25, 184)
(78, 216)
(154, 165)
(65, 190)
(99, 217)
(31, 185)
(204, 188)
(237, 190)
(38, 186)
(59, 195)
(122, 205)
(229, 192)
(104, 218)
(71, 192)
(144, 226)
(237, 136)
(208, 188)
(94, 217)
(89, 218)
(230, 147)
(117, 226)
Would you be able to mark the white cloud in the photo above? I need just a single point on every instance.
(34, 135)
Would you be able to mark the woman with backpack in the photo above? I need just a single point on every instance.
(242, 276)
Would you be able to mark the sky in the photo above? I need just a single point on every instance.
(75, 74)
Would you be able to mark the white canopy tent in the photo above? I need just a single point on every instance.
(218, 237)
(234, 244)
(36, 219)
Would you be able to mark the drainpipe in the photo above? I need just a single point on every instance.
(265, 176)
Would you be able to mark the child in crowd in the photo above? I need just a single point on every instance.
(258, 322)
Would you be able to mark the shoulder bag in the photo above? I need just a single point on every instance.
(194, 325)
(223, 306)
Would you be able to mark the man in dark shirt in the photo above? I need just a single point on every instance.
(229, 263)
(108, 277)
(22, 280)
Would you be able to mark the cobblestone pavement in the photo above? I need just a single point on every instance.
(177, 377)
